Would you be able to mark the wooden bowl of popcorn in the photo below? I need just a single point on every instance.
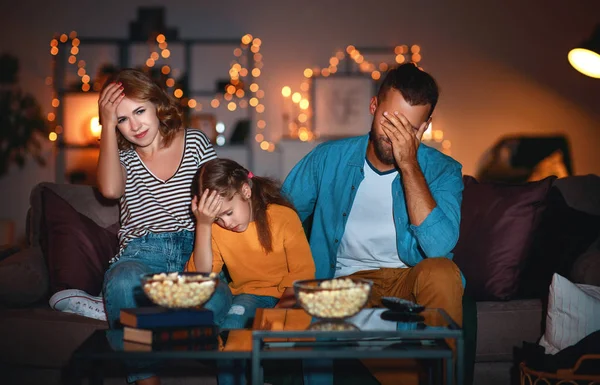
(333, 299)
(179, 290)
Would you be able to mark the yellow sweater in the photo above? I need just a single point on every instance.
(251, 270)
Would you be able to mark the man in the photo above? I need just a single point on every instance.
(384, 206)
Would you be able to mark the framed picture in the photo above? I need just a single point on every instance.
(341, 105)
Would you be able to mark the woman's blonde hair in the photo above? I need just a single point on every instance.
(139, 86)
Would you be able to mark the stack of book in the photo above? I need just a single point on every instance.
(158, 328)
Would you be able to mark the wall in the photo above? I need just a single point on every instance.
(501, 65)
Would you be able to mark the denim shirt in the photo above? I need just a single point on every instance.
(322, 187)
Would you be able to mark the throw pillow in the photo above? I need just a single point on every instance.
(76, 248)
(573, 313)
(496, 230)
(23, 278)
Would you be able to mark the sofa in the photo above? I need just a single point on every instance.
(70, 228)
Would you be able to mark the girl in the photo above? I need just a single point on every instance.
(147, 160)
(245, 225)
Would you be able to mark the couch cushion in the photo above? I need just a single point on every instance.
(76, 248)
(573, 313)
(23, 278)
(502, 326)
(84, 199)
(496, 230)
(586, 268)
(569, 225)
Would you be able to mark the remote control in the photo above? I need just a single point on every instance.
(401, 305)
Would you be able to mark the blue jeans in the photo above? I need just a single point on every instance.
(152, 253)
(235, 312)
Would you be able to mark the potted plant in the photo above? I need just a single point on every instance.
(22, 125)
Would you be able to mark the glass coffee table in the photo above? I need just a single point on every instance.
(292, 334)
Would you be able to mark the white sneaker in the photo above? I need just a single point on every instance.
(78, 302)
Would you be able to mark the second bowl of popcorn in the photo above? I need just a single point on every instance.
(333, 299)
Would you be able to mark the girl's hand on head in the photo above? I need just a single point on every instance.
(108, 101)
(207, 208)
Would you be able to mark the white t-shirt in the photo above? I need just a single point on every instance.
(369, 240)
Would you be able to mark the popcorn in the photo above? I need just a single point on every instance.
(335, 298)
(176, 290)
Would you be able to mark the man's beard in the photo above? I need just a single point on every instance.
(383, 148)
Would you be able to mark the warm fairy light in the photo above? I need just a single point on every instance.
(332, 69)
(400, 59)
(192, 103)
(64, 38)
(438, 135)
(296, 97)
(81, 63)
(52, 136)
(81, 72)
(256, 72)
(308, 73)
(253, 87)
(237, 52)
(85, 87)
(253, 102)
(415, 49)
(58, 130)
(304, 86)
(163, 45)
(244, 72)
(214, 103)
(240, 93)
(303, 134)
(85, 79)
(350, 49)
(375, 75)
(340, 55)
(53, 43)
(304, 104)
(73, 35)
(55, 102)
(154, 56)
(160, 38)
(286, 91)
(255, 48)
(246, 39)
(325, 72)
(260, 94)
(170, 82)
(416, 58)
(334, 61)
(446, 144)
(258, 57)
(150, 63)
(302, 118)
(53, 50)
(165, 53)
(264, 145)
(230, 89)
(178, 93)
(72, 59)
(51, 116)
(256, 42)
(231, 106)
(260, 108)
(383, 66)
(259, 137)
(74, 51)
(228, 97)
(165, 70)
(271, 147)
(261, 124)
(243, 103)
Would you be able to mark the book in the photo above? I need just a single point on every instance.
(130, 346)
(170, 335)
(155, 317)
